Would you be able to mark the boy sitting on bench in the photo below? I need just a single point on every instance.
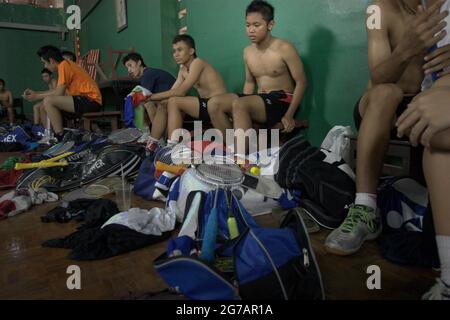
(6, 103)
(274, 66)
(194, 73)
(156, 81)
(83, 95)
(39, 116)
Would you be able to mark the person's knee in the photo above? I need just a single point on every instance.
(441, 141)
(173, 104)
(163, 103)
(239, 107)
(384, 99)
(214, 106)
(389, 92)
(48, 102)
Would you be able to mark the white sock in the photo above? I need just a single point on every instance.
(443, 244)
(151, 139)
(366, 199)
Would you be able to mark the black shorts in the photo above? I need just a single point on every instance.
(3, 111)
(400, 109)
(203, 114)
(85, 105)
(277, 104)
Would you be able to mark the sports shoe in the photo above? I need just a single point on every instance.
(145, 136)
(440, 291)
(362, 223)
(48, 140)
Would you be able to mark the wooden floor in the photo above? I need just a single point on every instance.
(29, 271)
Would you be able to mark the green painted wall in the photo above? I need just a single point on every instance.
(20, 66)
(329, 35)
(31, 15)
(151, 24)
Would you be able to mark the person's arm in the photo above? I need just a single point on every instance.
(296, 69)
(250, 83)
(31, 95)
(428, 114)
(387, 65)
(182, 87)
(9, 100)
(438, 61)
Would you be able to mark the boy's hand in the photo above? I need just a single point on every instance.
(29, 95)
(427, 29)
(438, 61)
(288, 124)
(427, 115)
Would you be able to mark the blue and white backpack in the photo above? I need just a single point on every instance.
(261, 263)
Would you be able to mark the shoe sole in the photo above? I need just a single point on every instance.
(342, 253)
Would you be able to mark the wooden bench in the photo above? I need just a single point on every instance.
(113, 117)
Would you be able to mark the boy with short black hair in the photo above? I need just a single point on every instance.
(76, 92)
(155, 80)
(195, 73)
(274, 69)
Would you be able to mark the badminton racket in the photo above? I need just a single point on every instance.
(50, 163)
(221, 176)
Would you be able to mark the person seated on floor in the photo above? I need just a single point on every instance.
(156, 81)
(76, 93)
(396, 61)
(273, 66)
(6, 103)
(69, 55)
(39, 115)
(195, 73)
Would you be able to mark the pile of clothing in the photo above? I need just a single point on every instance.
(107, 232)
(19, 201)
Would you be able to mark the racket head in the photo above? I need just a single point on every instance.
(220, 175)
(52, 151)
(184, 155)
(103, 187)
(124, 136)
(164, 155)
(77, 194)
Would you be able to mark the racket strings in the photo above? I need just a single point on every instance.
(220, 175)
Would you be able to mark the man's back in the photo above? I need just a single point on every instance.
(268, 67)
(157, 80)
(77, 81)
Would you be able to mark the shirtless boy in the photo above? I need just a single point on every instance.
(195, 73)
(397, 68)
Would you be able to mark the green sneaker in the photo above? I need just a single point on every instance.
(362, 223)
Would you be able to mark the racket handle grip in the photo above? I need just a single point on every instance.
(176, 170)
(233, 228)
(62, 156)
(27, 166)
(209, 238)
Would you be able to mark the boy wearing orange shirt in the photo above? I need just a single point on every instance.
(83, 95)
